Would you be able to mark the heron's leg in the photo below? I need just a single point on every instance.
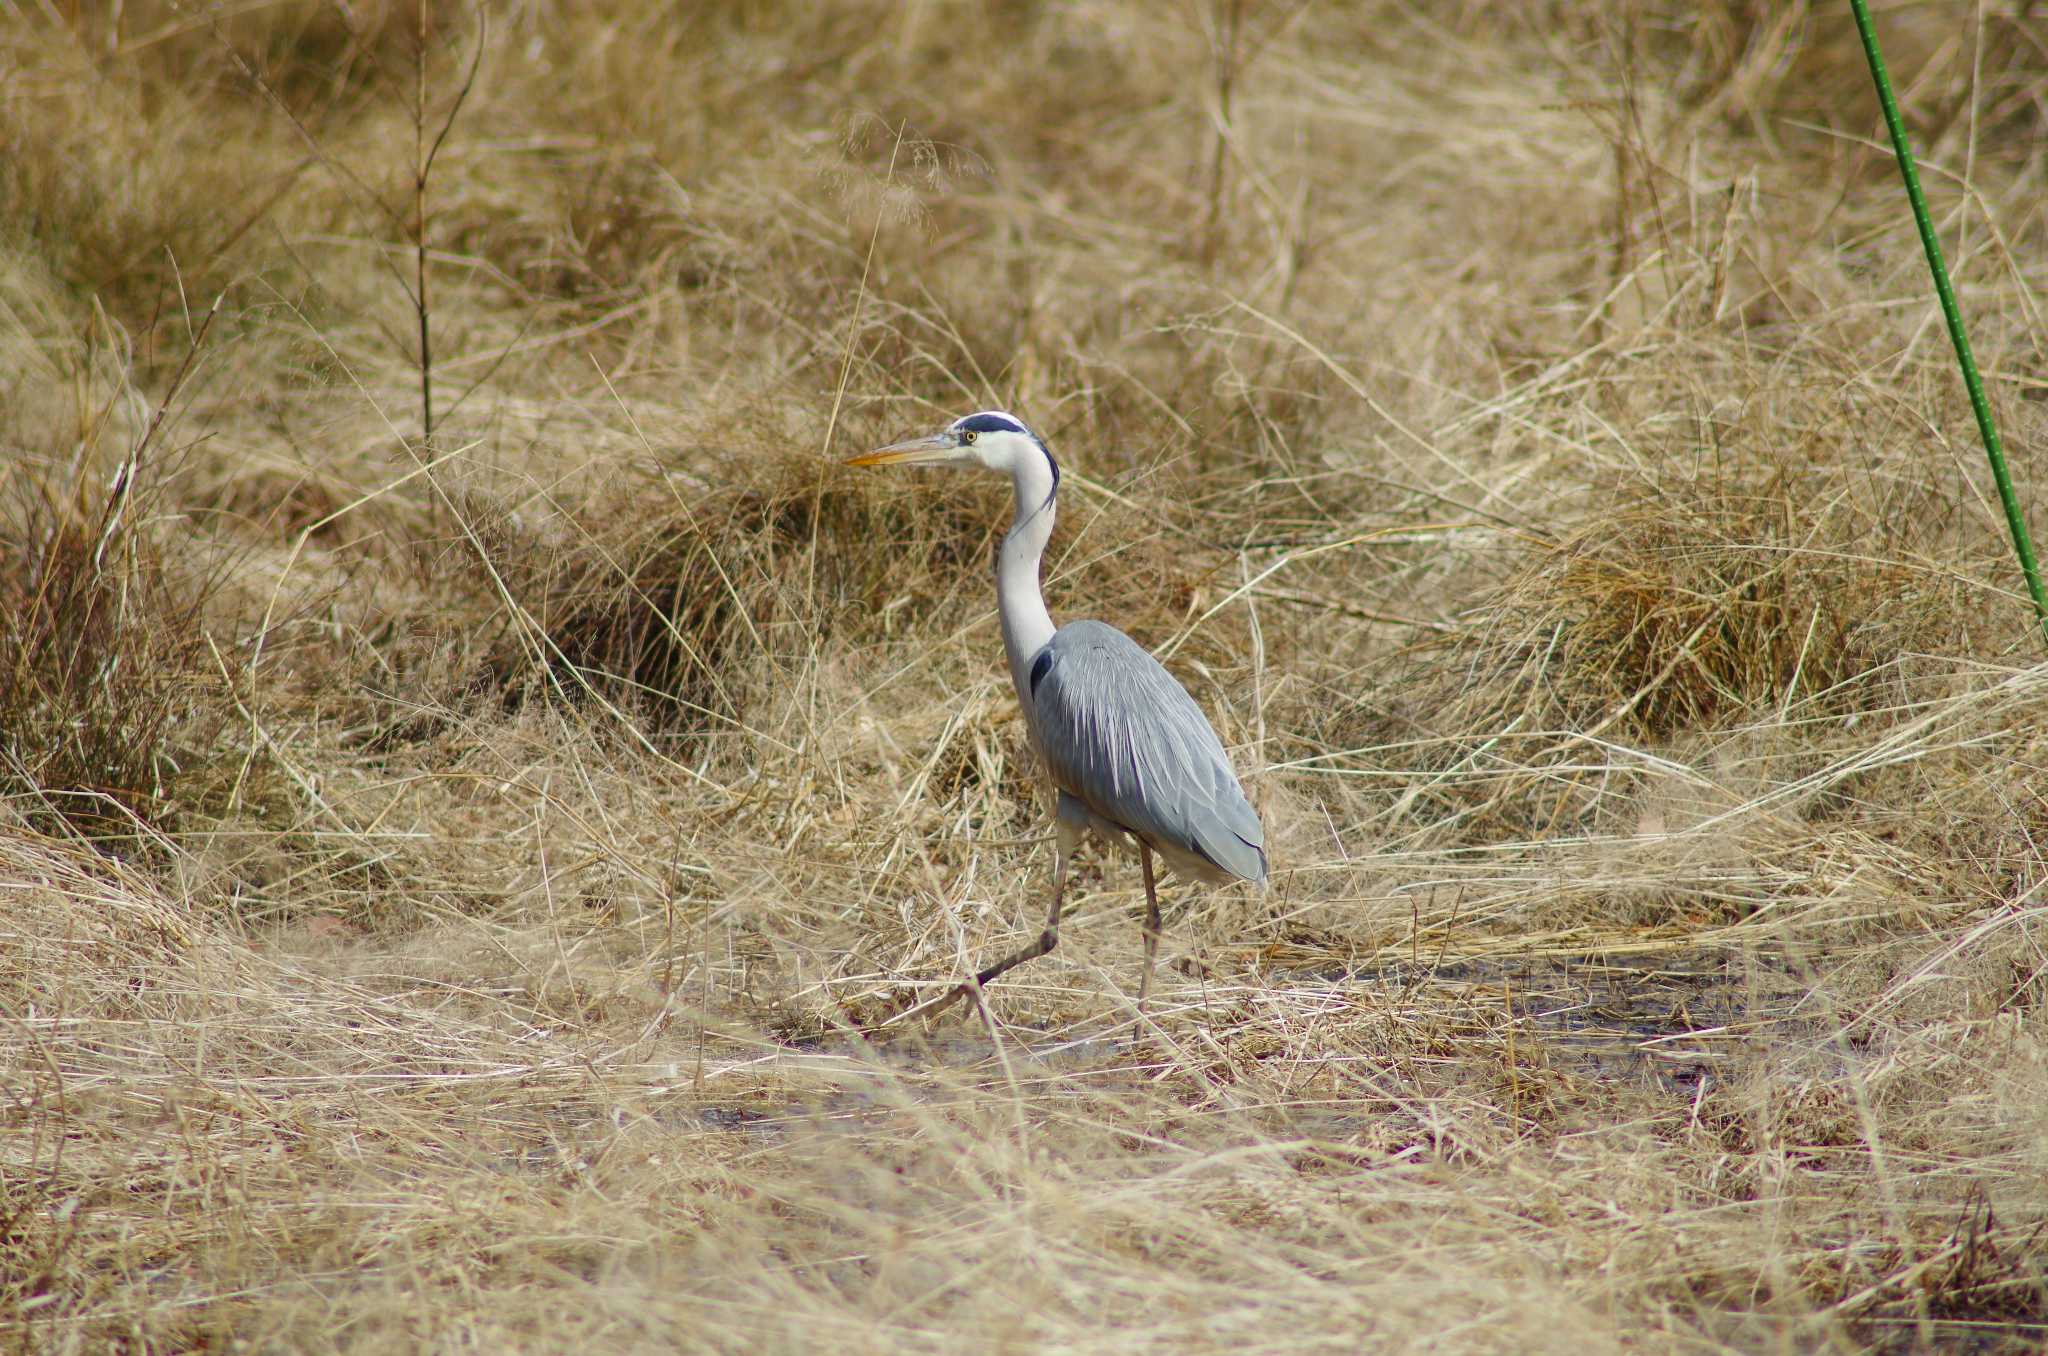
(1151, 924)
(1069, 838)
(1069, 829)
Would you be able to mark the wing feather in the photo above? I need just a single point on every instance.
(1120, 735)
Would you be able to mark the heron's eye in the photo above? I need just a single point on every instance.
(967, 436)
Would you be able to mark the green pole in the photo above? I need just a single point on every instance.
(2022, 545)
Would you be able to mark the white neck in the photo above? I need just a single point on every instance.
(1027, 626)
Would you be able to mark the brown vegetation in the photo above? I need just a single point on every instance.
(445, 870)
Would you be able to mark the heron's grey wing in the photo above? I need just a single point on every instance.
(1121, 735)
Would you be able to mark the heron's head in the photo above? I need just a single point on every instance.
(991, 439)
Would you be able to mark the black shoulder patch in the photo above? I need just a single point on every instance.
(1039, 668)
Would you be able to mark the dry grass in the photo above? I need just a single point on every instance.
(442, 880)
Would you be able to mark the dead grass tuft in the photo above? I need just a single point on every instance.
(1708, 599)
(109, 687)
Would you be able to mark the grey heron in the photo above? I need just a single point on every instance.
(1129, 753)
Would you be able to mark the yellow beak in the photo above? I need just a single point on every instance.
(938, 447)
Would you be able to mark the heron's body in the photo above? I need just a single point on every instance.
(1126, 743)
(1128, 751)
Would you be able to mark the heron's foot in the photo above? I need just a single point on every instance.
(933, 1006)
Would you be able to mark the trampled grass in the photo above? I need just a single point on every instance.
(447, 882)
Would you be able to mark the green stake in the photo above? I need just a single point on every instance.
(2022, 546)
